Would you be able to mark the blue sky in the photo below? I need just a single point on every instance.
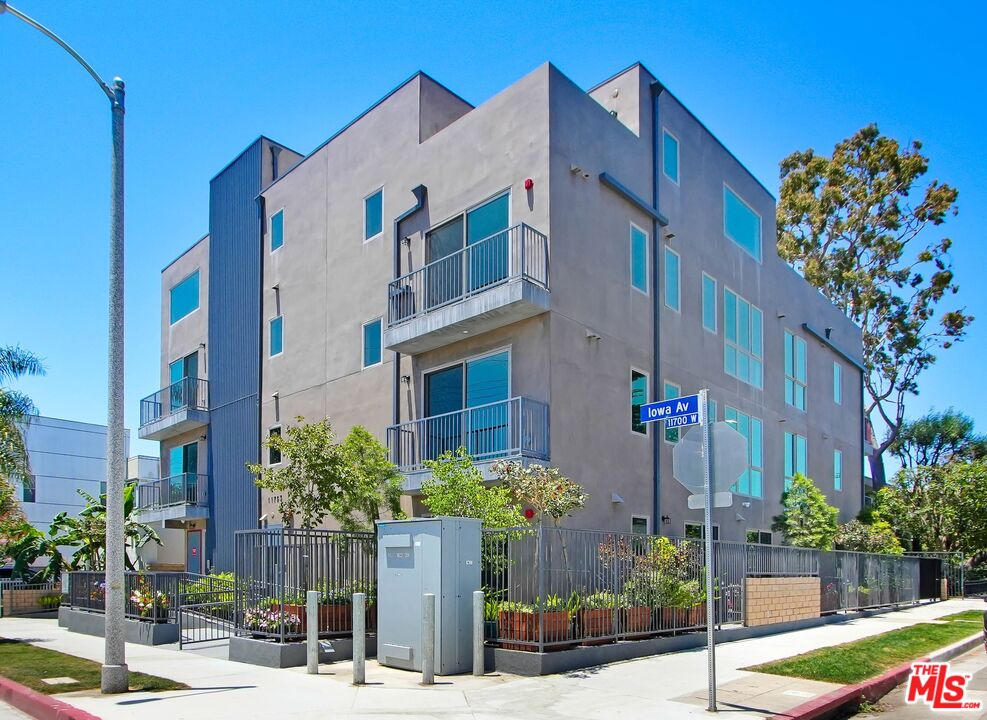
(205, 79)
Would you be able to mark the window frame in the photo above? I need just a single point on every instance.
(630, 397)
(678, 280)
(736, 343)
(837, 466)
(198, 297)
(647, 523)
(760, 535)
(837, 383)
(270, 336)
(678, 156)
(368, 238)
(793, 342)
(29, 481)
(716, 315)
(760, 224)
(463, 361)
(751, 467)
(647, 258)
(271, 431)
(664, 396)
(702, 530)
(271, 248)
(791, 445)
(363, 343)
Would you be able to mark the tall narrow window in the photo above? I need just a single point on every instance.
(184, 297)
(795, 457)
(639, 258)
(277, 336)
(639, 396)
(672, 278)
(273, 454)
(373, 214)
(837, 383)
(372, 343)
(742, 348)
(670, 156)
(794, 371)
(837, 470)
(709, 303)
(741, 224)
(277, 230)
(752, 481)
(671, 391)
(29, 489)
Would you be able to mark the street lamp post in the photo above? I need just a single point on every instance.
(115, 676)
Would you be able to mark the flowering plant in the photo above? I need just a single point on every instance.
(98, 592)
(270, 619)
(147, 601)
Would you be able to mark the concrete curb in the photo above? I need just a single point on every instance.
(42, 707)
(826, 706)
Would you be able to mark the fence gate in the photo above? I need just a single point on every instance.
(204, 616)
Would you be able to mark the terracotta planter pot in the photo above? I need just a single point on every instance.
(596, 623)
(524, 626)
(637, 619)
(332, 618)
(669, 618)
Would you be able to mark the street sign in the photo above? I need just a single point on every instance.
(720, 499)
(729, 459)
(677, 412)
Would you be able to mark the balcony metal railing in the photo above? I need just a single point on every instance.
(183, 489)
(518, 252)
(187, 393)
(508, 429)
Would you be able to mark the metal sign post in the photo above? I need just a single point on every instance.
(708, 496)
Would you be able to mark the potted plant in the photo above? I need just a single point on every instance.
(596, 614)
(268, 619)
(491, 609)
(336, 608)
(524, 623)
(636, 604)
(150, 604)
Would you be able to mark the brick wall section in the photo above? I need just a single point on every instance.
(22, 602)
(772, 600)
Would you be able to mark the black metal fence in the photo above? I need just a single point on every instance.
(953, 569)
(275, 568)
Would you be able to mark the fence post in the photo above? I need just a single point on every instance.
(359, 638)
(541, 586)
(312, 627)
(478, 633)
(428, 639)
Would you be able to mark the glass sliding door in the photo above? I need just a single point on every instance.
(486, 227)
(442, 430)
(183, 393)
(444, 274)
(487, 387)
(183, 466)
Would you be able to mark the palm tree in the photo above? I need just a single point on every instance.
(16, 409)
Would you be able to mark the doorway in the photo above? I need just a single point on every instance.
(193, 551)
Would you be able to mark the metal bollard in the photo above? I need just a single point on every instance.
(428, 639)
(359, 638)
(478, 633)
(312, 628)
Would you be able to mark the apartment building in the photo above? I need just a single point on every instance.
(517, 278)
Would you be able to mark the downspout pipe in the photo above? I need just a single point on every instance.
(421, 197)
(656, 90)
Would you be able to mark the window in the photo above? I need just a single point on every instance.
(709, 303)
(837, 383)
(795, 457)
(28, 489)
(273, 454)
(670, 156)
(372, 343)
(794, 371)
(373, 214)
(671, 391)
(697, 531)
(639, 525)
(639, 396)
(277, 335)
(672, 294)
(758, 537)
(639, 259)
(837, 470)
(184, 297)
(742, 348)
(752, 481)
(741, 224)
(277, 230)
(711, 410)
(102, 490)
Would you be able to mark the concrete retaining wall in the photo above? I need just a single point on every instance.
(144, 633)
(277, 655)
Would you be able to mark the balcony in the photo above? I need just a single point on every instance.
(179, 497)
(515, 429)
(176, 409)
(494, 282)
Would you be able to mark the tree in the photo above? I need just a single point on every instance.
(806, 520)
(456, 488)
(854, 225)
(311, 481)
(938, 438)
(876, 537)
(546, 490)
(373, 482)
(16, 409)
(31, 544)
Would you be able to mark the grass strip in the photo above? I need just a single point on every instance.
(27, 664)
(860, 660)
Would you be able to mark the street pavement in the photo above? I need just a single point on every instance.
(663, 686)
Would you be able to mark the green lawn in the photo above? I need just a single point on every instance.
(27, 664)
(856, 661)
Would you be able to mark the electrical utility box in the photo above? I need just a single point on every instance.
(429, 555)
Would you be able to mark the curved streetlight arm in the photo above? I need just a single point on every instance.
(4, 7)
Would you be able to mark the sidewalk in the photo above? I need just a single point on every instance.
(665, 686)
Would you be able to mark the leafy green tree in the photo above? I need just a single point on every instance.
(939, 438)
(456, 488)
(373, 483)
(311, 481)
(31, 545)
(546, 490)
(876, 537)
(16, 410)
(855, 225)
(806, 519)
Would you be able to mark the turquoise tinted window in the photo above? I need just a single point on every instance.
(672, 291)
(837, 470)
(670, 156)
(487, 379)
(742, 349)
(672, 391)
(639, 259)
(741, 224)
(795, 457)
(837, 383)
(750, 482)
(277, 230)
(277, 335)
(795, 359)
(709, 303)
(486, 232)
(184, 297)
(373, 214)
(371, 343)
(639, 396)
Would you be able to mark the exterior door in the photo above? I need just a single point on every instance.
(442, 429)
(182, 393)
(486, 228)
(444, 274)
(193, 551)
(183, 466)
